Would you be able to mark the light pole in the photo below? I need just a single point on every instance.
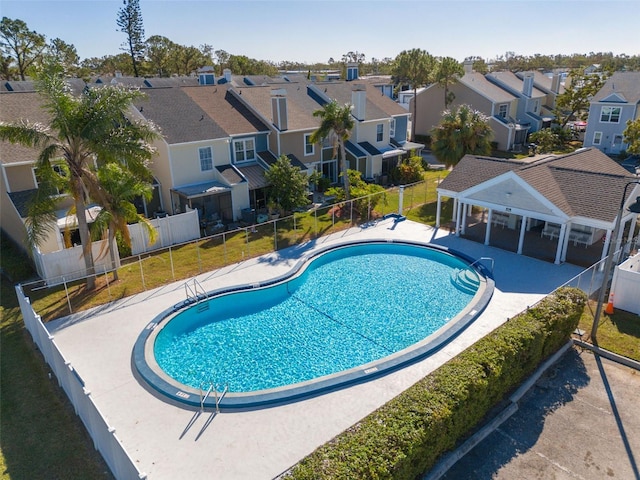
(608, 264)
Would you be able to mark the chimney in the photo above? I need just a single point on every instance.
(359, 101)
(227, 75)
(527, 84)
(352, 71)
(468, 66)
(279, 108)
(555, 83)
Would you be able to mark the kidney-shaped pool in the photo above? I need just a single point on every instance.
(345, 314)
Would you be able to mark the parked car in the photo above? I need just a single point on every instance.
(632, 164)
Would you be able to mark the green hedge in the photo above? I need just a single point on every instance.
(404, 438)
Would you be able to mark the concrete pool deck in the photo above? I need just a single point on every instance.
(167, 441)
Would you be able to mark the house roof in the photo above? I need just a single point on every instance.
(179, 117)
(226, 110)
(255, 176)
(477, 81)
(300, 106)
(586, 183)
(269, 158)
(626, 84)
(510, 81)
(14, 107)
(21, 201)
(542, 81)
(230, 174)
(378, 105)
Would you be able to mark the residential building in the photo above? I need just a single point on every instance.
(379, 137)
(530, 98)
(207, 156)
(617, 102)
(475, 90)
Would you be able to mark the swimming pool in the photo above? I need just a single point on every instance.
(343, 314)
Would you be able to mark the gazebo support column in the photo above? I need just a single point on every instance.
(565, 245)
(463, 226)
(487, 233)
(561, 241)
(458, 220)
(523, 230)
(439, 205)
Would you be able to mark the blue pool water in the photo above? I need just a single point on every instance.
(351, 306)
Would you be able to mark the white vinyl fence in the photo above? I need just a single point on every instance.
(68, 264)
(625, 286)
(171, 230)
(103, 435)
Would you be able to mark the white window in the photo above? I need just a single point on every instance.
(610, 114)
(244, 150)
(309, 146)
(597, 138)
(206, 158)
(392, 128)
(503, 110)
(617, 140)
(379, 132)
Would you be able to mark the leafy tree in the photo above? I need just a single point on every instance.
(336, 125)
(414, 67)
(632, 136)
(577, 95)
(478, 64)
(288, 184)
(447, 72)
(360, 191)
(409, 170)
(82, 128)
(22, 45)
(158, 54)
(65, 55)
(130, 22)
(546, 140)
(461, 131)
(222, 57)
(119, 188)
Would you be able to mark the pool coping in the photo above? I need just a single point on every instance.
(174, 392)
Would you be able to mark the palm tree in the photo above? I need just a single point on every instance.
(83, 129)
(414, 67)
(447, 73)
(336, 125)
(119, 187)
(461, 131)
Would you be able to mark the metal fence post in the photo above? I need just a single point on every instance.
(173, 272)
(275, 236)
(106, 277)
(224, 245)
(66, 291)
(141, 272)
(198, 252)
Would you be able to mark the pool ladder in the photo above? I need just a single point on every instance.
(196, 295)
(217, 395)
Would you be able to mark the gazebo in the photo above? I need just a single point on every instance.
(571, 199)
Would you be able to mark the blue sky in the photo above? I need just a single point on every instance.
(313, 31)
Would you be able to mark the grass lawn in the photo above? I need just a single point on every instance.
(618, 332)
(42, 438)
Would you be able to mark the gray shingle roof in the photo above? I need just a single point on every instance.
(16, 107)
(625, 83)
(225, 109)
(476, 81)
(509, 80)
(378, 105)
(585, 183)
(180, 118)
(300, 106)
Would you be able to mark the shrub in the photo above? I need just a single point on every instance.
(404, 438)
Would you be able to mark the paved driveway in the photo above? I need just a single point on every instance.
(581, 420)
